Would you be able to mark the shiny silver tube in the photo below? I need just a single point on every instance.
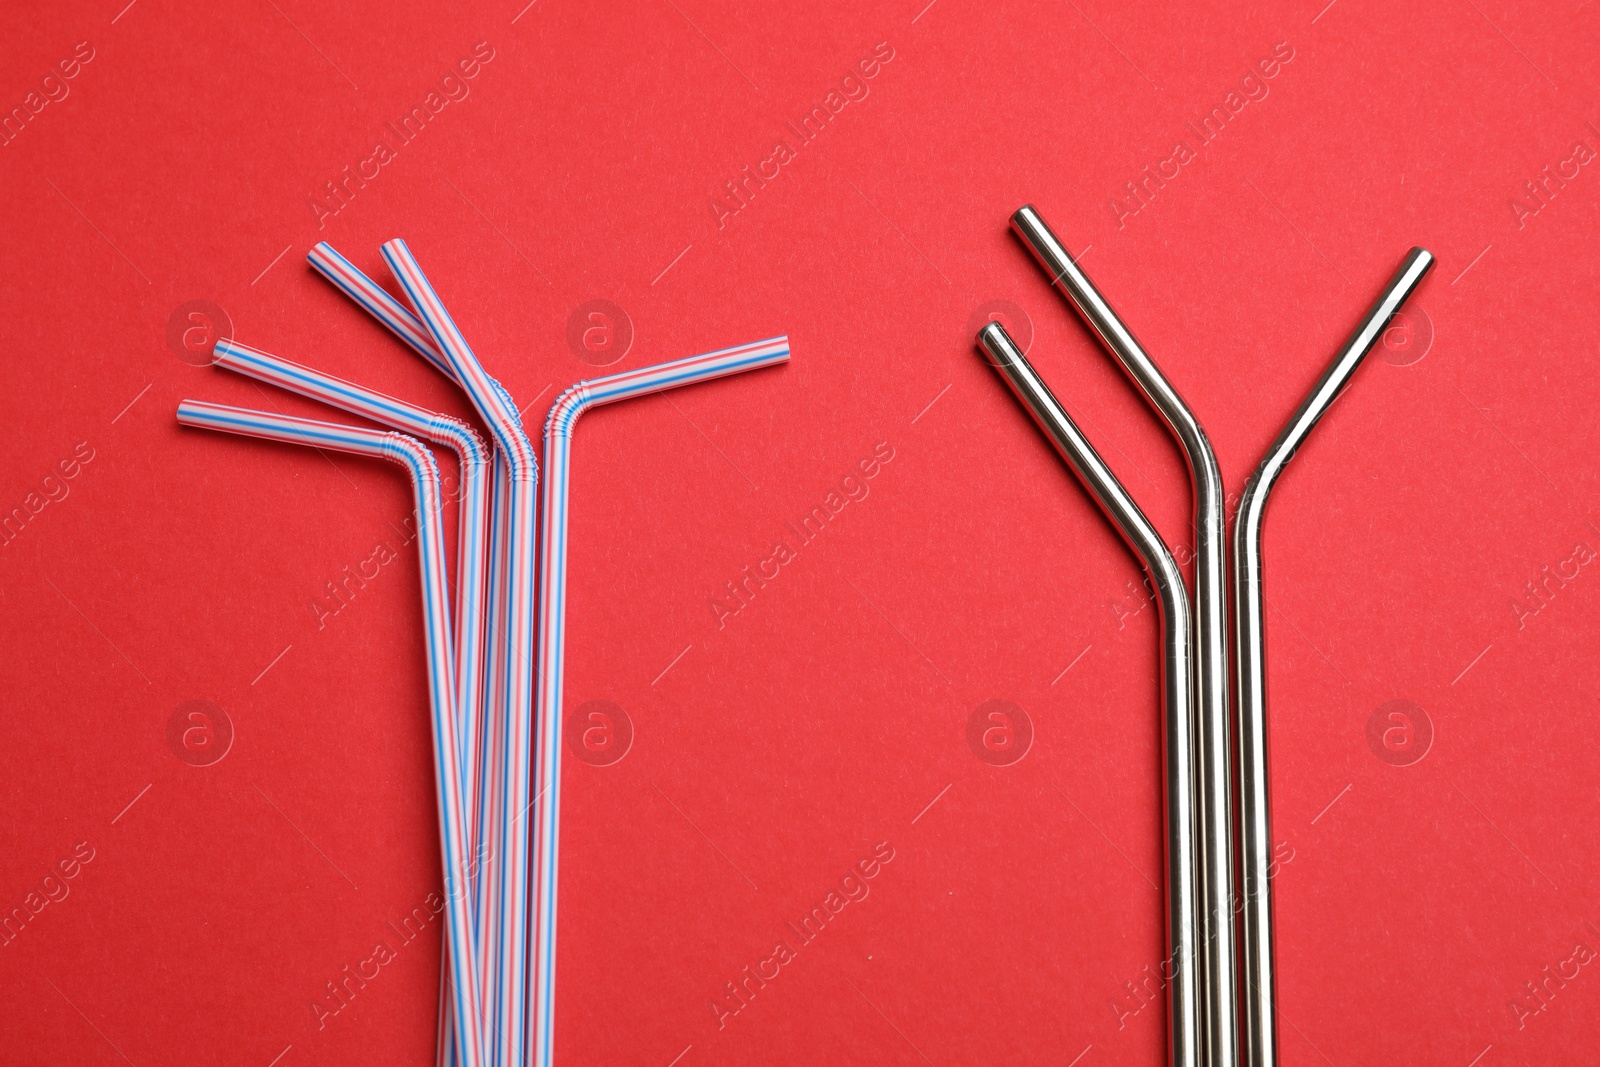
(1255, 834)
(1180, 970)
(1214, 751)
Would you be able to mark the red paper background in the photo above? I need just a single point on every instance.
(827, 715)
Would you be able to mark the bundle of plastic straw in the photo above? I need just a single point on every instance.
(481, 687)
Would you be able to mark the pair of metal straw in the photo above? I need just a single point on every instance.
(487, 725)
(1201, 972)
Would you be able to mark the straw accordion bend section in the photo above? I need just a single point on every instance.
(1214, 750)
(1180, 969)
(1255, 835)
(558, 430)
(504, 925)
(418, 462)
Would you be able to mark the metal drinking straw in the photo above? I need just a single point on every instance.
(1179, 970)
(1213, 768)
(1255, 835)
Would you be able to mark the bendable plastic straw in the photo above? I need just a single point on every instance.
(418, 462)
(377, 301)
(379, 304)
(1180, 968)
(558, 430)
(505, 921)
(1214, 752)
(473, 460)
(1255, 838)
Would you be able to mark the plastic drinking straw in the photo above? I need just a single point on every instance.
(418, 462)
(377, 301)
(1255, 835)
(473, 459)
(505, 922)
(1214, 751)
(1180, 970)
(558, 429)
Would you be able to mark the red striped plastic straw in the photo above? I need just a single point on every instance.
(504, 924)
(558, 429)
(395, 316)
(418, 463)
(472, 458)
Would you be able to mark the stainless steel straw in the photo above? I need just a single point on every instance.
(1179, 971)
(1255, 836)
(1213, 801)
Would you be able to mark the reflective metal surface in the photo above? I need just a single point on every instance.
(1255, 835)
(1180, 970)
(1213, 768)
